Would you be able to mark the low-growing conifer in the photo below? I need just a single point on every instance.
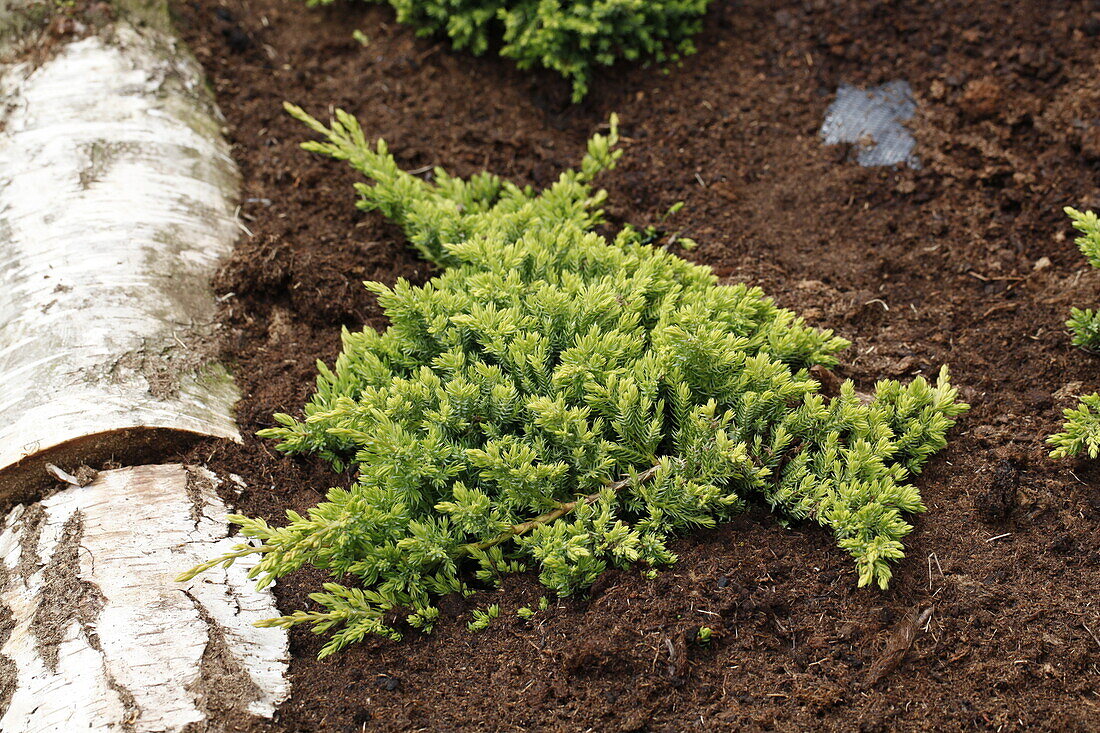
(559, 402)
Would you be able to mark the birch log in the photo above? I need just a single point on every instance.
(94, 633)
(117, 200)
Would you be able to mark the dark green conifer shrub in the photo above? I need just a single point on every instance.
(556, 401)
(1081, 431)
(568, 36)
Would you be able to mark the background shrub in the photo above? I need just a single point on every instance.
(568, 36)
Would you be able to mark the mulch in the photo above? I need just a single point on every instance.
(991, 619)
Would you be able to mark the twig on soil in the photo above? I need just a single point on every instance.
(1090, 633)
(898, 645)
(932, 556)
(1000, 307)
(995, 278)
(425, 55)
(240, 224)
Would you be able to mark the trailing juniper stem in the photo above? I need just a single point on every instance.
(226, 559)
(550, 516)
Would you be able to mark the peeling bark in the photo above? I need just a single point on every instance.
(99, 637)
(9, 671)
(31, 521)
(223, 681)
(106, 315)
(65, 597)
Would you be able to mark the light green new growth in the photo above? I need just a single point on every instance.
(570, 37)
(556, 401)
(1089, 225)
(1081, 431)
(1085, 323)
(482, 619)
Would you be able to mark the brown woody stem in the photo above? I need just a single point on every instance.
(560, 511)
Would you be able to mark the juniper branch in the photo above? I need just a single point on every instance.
(224, 560)
(557, 513)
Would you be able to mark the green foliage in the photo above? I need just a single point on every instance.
(557, 401)
(704, 635)
(482, 619)
(1089, 225)
(1085, 323)
(656, 235)
(454, 210)
(570, 37)
(1081, 431)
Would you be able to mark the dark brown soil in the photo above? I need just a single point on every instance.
(968, 261)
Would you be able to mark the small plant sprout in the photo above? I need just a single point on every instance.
(525, 613)
(655, 234)
(482, 619)
(684, 243)
(360, 37)
(704, 635)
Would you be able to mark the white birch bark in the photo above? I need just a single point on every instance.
(117, 200)
(100, 637)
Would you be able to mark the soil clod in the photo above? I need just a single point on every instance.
(998, 497)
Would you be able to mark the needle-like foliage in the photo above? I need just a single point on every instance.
(1085, 323)
(1081, 431)
(557, 401)
(570, 37)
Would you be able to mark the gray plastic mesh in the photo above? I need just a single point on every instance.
(872, 119)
